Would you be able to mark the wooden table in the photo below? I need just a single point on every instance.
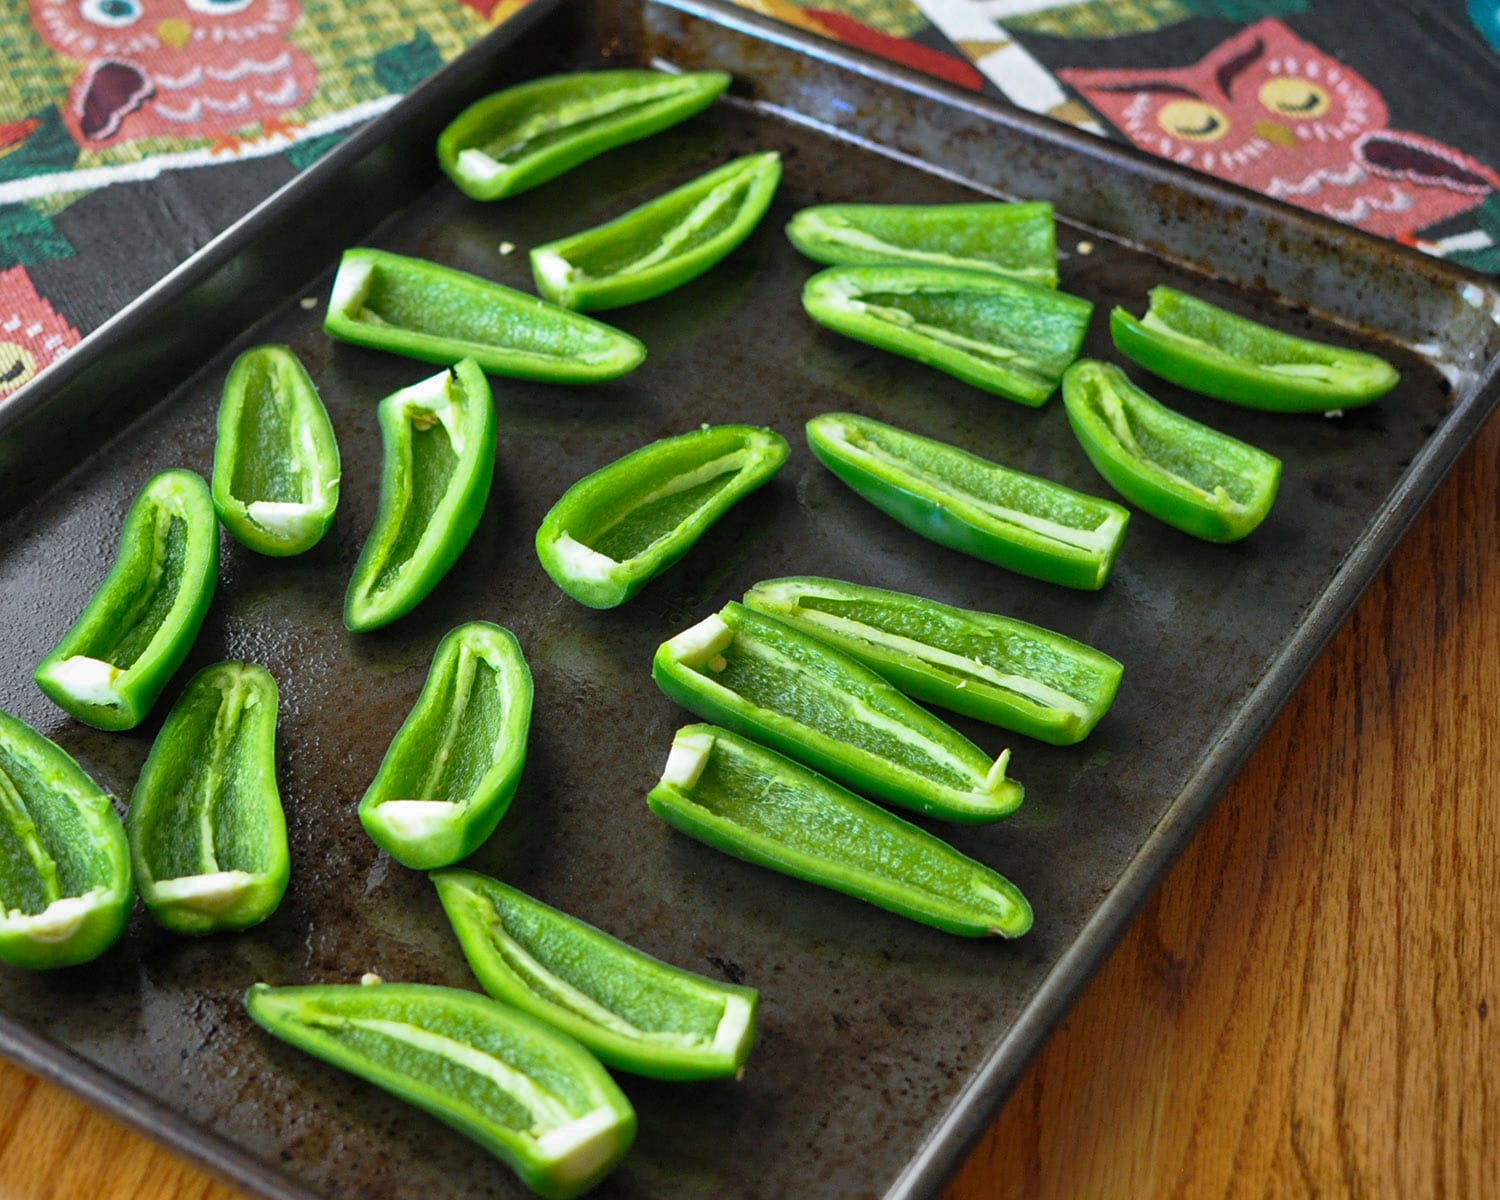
(1301, 1010)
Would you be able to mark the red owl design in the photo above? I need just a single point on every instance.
(32, 335)
(176, 68)
(1273, 113)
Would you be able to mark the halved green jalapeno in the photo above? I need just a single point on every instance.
(455, 763)
(207, 834)
(439, 461)
(529, 1095)
(736, 796)
(968, 503)
(1015, 675)
(134, 633)
(1194, 478)
(771, 681)
(617, 529)
(65, 891)
(1206, 349)
(635, 1012)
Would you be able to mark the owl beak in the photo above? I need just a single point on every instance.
(1274, 132)
(174, 33)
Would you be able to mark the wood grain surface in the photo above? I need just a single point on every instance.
(1301, 1010)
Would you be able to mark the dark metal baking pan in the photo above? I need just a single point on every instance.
(885, 1047)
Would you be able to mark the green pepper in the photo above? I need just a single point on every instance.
(439, 461)
(1202, 347)
(525, 135)
(1007, 672)
(276, 463)
(65, 891)
(1018, 240)
(529, 1095)
(970, 504)
(1194, 478)
(1001, 335)
(455, 763)
(435, 314)
(748, 801)
(617, 529)
(771, 681)
(131, 637)
(207, 834)
(635, 1012)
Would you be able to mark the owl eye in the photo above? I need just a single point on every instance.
(1294, 97)
(112, 14)
(219, 6)
(17, 366)
(1193, 120)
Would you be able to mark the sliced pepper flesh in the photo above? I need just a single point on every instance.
(276, 461)
(525, 135)
(734, 795)
(1194, 478)
(65, 891)
(617, 529)
(771, 681)
(455, 763)
(1001, 335)
(439, 461)
(528, 1094)
(662, 244)
(971, 504)
(206, 828)
(435, 314)
(131, 637)
(1001, 670)
(1207, 349)
(634, 1011)
(1018, 240)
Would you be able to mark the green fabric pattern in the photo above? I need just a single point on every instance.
(27, 236)
(1095, 19)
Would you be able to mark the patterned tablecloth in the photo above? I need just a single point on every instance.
(132, 131)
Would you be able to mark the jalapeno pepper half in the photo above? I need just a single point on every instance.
(1206, 349)
(207, 834)
(526, 1093)
(1001, 335)
(748, 801)
(970, 504)
(1018, 240)
(134, 633)
(65, 891)
(1007, 672)
(276, 462)
(525, 135)
(1194, 478)
(436, 314)
(635, 1012)
(439, 461)
(617, 529)
(454, 764)
(771, 681)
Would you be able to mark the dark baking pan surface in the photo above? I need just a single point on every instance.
(885, 1047)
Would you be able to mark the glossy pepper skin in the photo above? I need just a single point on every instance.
(1206, 349)
(276, 461)
(739, 797)
(1194, 478)
(662, 244)
(1010, 673)
(771, 681)
(131, 637)
(439, 461)
(525, 135)
(534, 1098)
(615, 530)
(435, 314)
(206, 829)
(65, 891)
(635, 1012)
(970, 504)
(455, 763)
(1001, 335)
